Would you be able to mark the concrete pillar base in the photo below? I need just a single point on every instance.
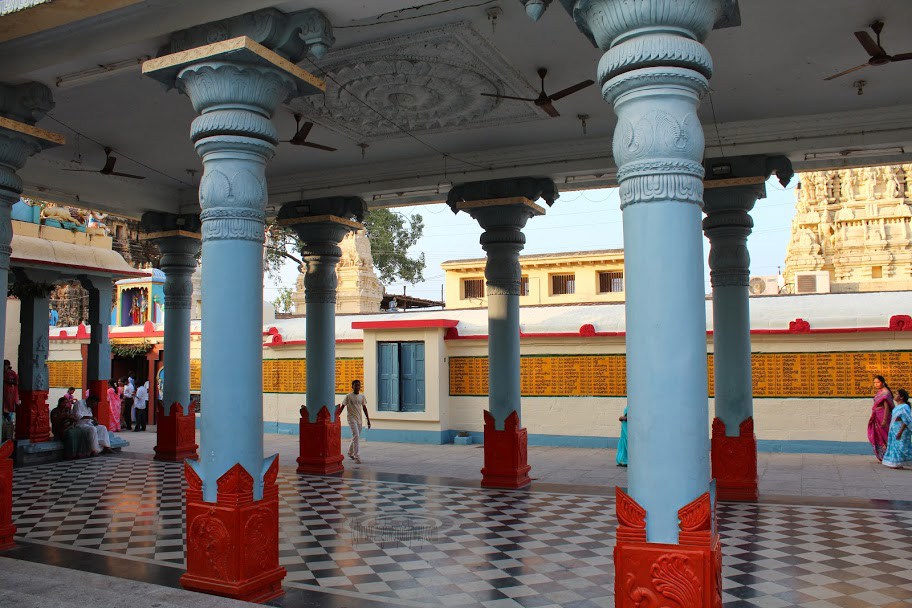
(688, 574)
(321, 444)
(734, 462)
(99, 388)
(505, 454)
(233, 543)
(33, 417)
(176, 432)
(7, 529)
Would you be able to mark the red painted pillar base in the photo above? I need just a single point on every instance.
(686, 575)
(99, 388)
(7, 529)
(233, 543)
(320, 444)
(33, 417)
(506, 454)
(176, 434)
(734, 462)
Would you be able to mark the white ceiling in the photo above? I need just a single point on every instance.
(768, 94)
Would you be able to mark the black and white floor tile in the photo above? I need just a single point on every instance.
(409, 544)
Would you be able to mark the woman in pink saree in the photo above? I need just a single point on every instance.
(879, 423)
(114, 403)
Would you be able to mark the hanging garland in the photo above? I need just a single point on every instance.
(130, 350)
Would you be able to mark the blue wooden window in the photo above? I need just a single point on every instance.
(400, 376)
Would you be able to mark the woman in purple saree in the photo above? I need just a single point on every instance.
(879, 423)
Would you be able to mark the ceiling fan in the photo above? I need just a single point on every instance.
(301, 133)
(108, 168)
(878, 54)
(544, 100)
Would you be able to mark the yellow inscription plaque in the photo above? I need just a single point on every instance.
(290, 375)
(775, 375)
(64, 374)
(195, 367)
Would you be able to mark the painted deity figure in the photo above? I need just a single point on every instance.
(893, 185)
(870, 183)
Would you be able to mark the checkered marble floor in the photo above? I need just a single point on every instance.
(422, 545)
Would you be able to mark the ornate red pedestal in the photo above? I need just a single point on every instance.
(7, 529)
(686, 575)
(32, 417)
(506, 454)
(99, 388)
(320, 444)
(176, 434)
(734, 462)
(233, 543)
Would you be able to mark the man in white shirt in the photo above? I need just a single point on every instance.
(355, 403)
(140, 415)
(126, 404)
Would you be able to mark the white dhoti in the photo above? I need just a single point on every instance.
(100, 437)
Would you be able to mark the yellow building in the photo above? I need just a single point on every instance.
(547, 278)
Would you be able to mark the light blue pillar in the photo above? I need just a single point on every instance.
(235, 93)
(26, 104)
(654, 73)
(502, 207)
(320, 225)
(178, 262)
(33, 339)
(727, 226)
(502, 241)
(98, 360)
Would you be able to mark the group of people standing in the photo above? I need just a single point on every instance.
(890, 426)
(129, 405)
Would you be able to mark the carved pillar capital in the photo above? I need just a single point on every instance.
(321, 224)
(178, 262)
(291, 35)
(727, 225)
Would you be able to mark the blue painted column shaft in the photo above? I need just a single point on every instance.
(502, 274)
(178, 262)
(33, 342)
(320, 282)
(654, 73)
(727, 226)
(235, 138)
(98, 360)
(7, 198)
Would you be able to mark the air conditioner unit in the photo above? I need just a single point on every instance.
(764, 286)
(812, 282)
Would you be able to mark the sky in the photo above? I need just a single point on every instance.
(578, 221)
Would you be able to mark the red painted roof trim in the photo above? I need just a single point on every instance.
(406, 324)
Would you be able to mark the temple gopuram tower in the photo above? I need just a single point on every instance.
(853, 230)
(359, 288)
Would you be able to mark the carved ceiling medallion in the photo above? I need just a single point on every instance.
(427, 82)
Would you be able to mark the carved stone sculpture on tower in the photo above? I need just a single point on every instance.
(359, 288)
(864, 239)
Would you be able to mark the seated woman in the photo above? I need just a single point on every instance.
(76, 440)
(101, 441)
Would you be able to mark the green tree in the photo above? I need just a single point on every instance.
(391, 235)
(282, 301)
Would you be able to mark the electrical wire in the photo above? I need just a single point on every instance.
(712, 106)
(119, 153)
(449, 10)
